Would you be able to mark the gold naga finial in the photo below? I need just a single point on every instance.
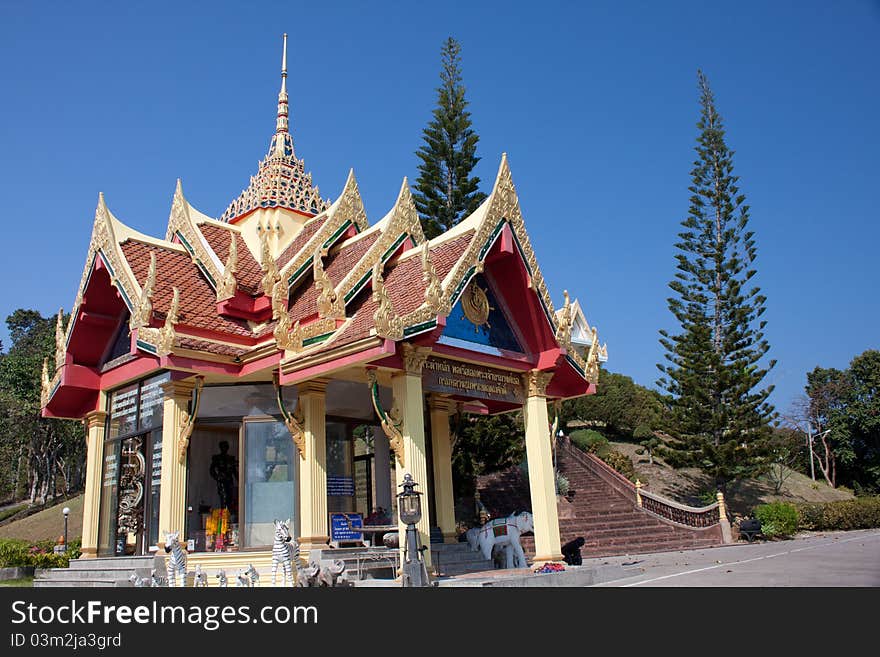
(387, 324)
(327, 300)
(60, 347)
(45, 383)
(433, 286)
(167, 333)
(267, 264)
(563, 331)
(144, 311)
(226, 289)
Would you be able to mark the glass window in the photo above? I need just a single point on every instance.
(109, 493)
(269, 477)
(123, 411)
(152, 398)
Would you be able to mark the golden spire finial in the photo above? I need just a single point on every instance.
(281, 124)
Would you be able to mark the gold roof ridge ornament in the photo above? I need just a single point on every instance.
(45, 383)
(563, 331)
(267, 265)
(144, 311)
(228, 284)
(387, 323)
(60, 346)
(389, 420)
(163, 338)
(433, 285)
(327, 301)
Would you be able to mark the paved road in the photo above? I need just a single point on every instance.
(832, 559)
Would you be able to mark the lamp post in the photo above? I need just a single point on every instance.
(66, 512)
(409, 505)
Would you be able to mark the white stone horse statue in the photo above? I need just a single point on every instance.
(503, 533)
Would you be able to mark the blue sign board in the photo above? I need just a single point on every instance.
(340, 530)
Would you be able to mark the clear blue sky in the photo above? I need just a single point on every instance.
(595, 104)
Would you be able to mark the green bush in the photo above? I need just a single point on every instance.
(14, 552)
(588, 440)
(562, 484)
(859, 513)
(777, 519)
(620, 462)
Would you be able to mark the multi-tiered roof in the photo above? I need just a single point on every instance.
(287, 283)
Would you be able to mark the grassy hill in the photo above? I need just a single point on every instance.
(687, 484)
(48, 524)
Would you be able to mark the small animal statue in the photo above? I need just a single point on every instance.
(308, 576)
(136, 581)
(330, 573)
(221, 579)
(281, 551)
(154, 581)
(176, 561)
(503, 532)
(252, 573)
(200, 579)
(241, 578)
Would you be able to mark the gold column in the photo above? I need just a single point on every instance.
(441, 407)
(95, 424)
(313, 468)
(542, 479)
(407, 389)
(172, 492)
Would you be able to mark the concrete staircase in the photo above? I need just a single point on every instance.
(452, 559)
(104, 572)
(610, 523)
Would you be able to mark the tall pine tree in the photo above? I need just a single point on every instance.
(720, 417)
(445, 190)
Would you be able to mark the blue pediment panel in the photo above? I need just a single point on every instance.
(496, 333)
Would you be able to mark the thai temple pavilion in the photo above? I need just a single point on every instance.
(291, 360)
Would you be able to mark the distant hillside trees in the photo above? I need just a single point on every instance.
(40, 458)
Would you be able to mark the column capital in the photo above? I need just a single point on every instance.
(438, 402)
(414, 357)
(94, 419)
(535, 382)
(179, 388)
(312, 387)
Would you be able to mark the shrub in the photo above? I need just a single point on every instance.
(777, 519)
(620, 462)
(588, 440)
(859, 513)
(562, 484)
(14, 552)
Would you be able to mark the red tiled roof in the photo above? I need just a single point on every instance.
(187, 342)
(248, 274)
(198, 301)
(299, 242)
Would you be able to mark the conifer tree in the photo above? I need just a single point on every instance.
(719, 416)
(445, 191)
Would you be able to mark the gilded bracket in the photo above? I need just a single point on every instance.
(226, 289)
(144, 311)
(387, 323)
(188, 421)
(390, 420)
(60, 347)
(293, 421)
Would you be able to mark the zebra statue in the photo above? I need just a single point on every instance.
(200, 579)
(137, 581)
(176, 561)
(282, 547)
(154, 581)
(252, 573)
(241, 578)
(221, 579)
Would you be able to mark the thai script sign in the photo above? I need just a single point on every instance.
(469, 380)
(339, 485)
(340, 530)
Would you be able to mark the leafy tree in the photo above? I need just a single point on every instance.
(484, 445)
(445, 189)
(620, 406)
(844, 410)
(719, 415)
